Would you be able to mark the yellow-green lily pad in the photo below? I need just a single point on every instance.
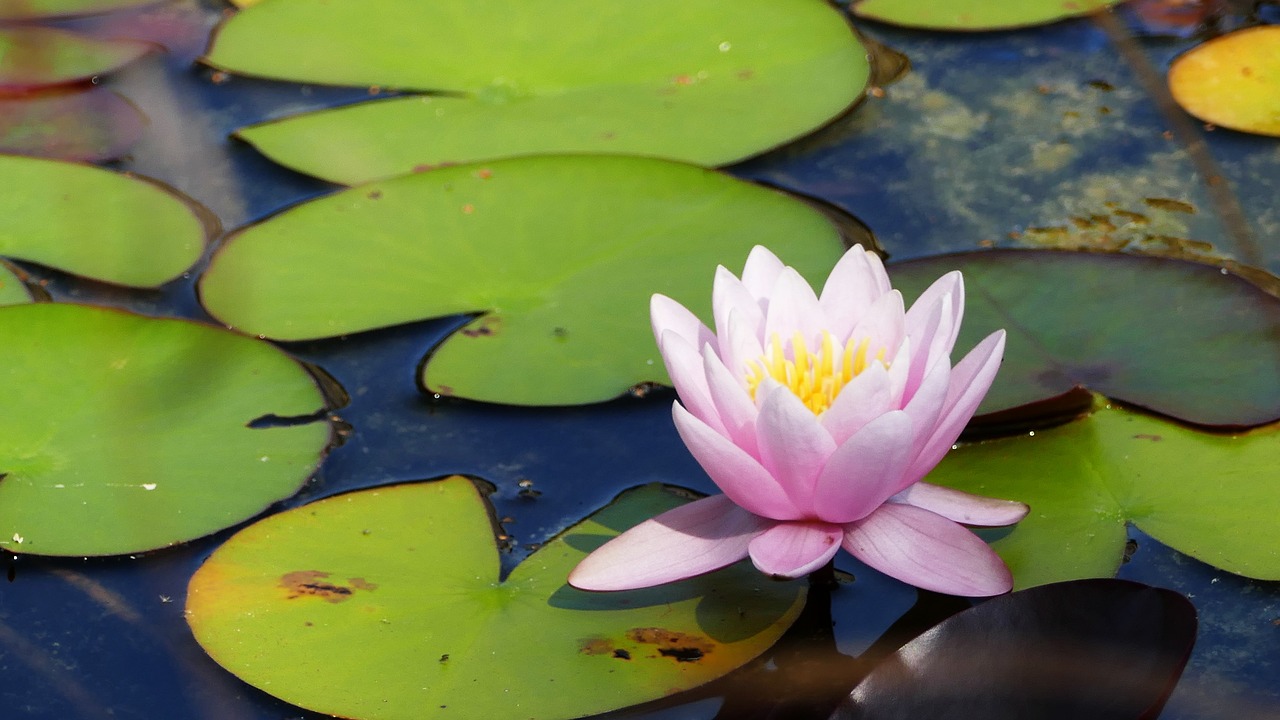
(1232, 80)
(124, 433)
(974, 14)
(404, 580)
(13, 291)
(32, 56)
(33, 9)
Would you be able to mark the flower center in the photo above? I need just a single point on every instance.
(815, 377)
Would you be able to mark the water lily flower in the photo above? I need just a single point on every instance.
(818, 417)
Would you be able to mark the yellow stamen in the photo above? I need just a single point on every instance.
(815, 378)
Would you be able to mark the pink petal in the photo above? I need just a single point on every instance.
(793, 444)
(867, 396)
(970, 380)
(865, 470)
(667, 314)
(740, 346)
(882, 325)
(853, 285)
(793, 308)
(796, 548)
(761, 271)
(930, 398)
(730, 297)
(690, 540)
(684, 365)
(733, 470)
(923, 315)
(927, 551)
(962, 507)
(929, 337)
(734, 406)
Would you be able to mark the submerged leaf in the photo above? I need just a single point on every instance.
(404, 579)
(560, 253)
(90, 125)
(1232, 80)
(33, 56)
(124, 433)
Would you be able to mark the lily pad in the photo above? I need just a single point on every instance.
(1099, 649)
(34, 56)
(1232, 80)
(1211, 496)
(678, 79)
(560, 253)
(1187, 340)
(13, 291)
(91, 125)
(96, 223)
(124, 433)
(33, 9)
(404, 579)
(974, 14)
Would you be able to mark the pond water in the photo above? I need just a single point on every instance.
(992, 139)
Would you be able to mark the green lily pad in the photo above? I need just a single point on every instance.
(1232, 80)
(678, 79)
(123, 433)
(974, 14)
(1187, 340)
(1211, 496)
(96, 223)
(404, 580)
(90, 125)
(34, 56)
(560, 253)
(13, 291)
(32, 9)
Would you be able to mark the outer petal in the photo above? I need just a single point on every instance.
(933, 321)
(856, 282)
(930, 399)
(739, 475)
(684, 365)
(761, 271)
(882, 324)
(735, 408)
(793, 308)
(692, 539)
(961, 506)
(928, 551)
(970, 380)
(730, 297)
(866, 397)
(795, 548)
(667, 314)
(864, 471)
(793, 444)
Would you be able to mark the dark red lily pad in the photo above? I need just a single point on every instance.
(87, 125)
(1191, 341)
(32, 9)
(1097, 649)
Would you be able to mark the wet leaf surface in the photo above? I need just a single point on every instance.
(1105, 649)
(97, 223)
(32, 56)
(403, 582)
(90, 125)
(124, 433)
(1232, 80)
(1211, 496)
(561, 254)
(638, 80)
(974, 14)
(1183, 339)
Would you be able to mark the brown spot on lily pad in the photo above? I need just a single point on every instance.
(312, 583)
(681, 647)
(596, 646)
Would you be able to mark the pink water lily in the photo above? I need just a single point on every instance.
(818, 416)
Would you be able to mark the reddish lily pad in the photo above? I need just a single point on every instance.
(34, 9)
(90, 125)
(974, 14)
(1187, 340)
(124, 433)
(405, 580)
(1098, 649)
(38, 56)
(1232, 80)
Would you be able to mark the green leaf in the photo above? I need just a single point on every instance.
(32, 9)
(1183, 339)
(1211, 496)
(404, 580)
(1232, 80)
(91, 125)
(12, 290)
(97, 223)
(974, 14)
(560, 253)
(34, 56)
(123, 433)
(678, 79)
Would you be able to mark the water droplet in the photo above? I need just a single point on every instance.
(148, 486)
(725, 46)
